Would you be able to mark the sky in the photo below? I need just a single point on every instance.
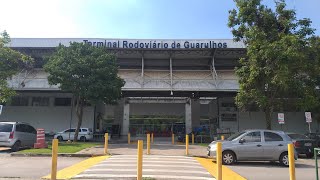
(140, 19)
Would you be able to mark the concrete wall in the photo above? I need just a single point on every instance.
(50, 118)
(294, 122)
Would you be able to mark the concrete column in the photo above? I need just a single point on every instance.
(188, 116)
(118, 112)
(125, 122)
(195, 112)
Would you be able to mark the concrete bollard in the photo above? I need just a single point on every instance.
(219, 161)
(187, 145)
(106, 139)
(292, 170)
(148, 144)
(192, 138)
(54, 162)
(139, 162)
(129, 138)
(172, 138)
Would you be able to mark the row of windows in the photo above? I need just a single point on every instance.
(256, 137)
(39, 101)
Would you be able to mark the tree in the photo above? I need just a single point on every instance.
(88, 72)
(277, 69)
(11, 62)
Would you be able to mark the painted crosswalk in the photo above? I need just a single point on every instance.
(154, 166)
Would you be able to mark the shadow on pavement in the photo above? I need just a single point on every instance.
(268, 164)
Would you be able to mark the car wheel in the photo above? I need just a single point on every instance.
(284, 159)
(16, 146)
(228, 157)
(310, 155)
(83, 138)
(60, 138)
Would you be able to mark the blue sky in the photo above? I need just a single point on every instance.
(163, 19)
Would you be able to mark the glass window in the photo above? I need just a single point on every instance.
(40, 101)
(253, 137)
(19, 101)
(269, 136)
(5, 127)
(62, 102)
(30, 129)
(234, 136)
(84, 130)
(22, 128)
(71, 130)
(297, 136)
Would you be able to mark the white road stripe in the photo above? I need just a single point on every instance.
(155, 158)
(134, 176)
(147, 165)
(149, 170)
(147, 161)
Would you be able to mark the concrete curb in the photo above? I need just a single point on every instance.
(59, 155)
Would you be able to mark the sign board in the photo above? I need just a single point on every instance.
(1, 106)
(281, 118)
(308, 117)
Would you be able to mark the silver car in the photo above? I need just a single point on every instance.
(254, 145)
(16, 135)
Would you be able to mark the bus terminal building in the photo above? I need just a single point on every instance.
(169, 84)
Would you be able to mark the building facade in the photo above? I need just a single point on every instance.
(169, 84)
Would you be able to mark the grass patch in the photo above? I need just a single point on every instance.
(62, 148)
(204, 144)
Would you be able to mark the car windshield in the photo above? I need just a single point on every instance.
(234, 136)
(5, 127)
(297, 136)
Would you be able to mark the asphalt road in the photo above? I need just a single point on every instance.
(30, 168)
(305, 170)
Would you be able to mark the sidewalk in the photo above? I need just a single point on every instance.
(156, 149)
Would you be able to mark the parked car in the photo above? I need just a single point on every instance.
(85, 134)
(254, 145)
(16, 135)
(315, 137)
(303, 144)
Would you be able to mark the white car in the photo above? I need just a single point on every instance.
(85, 134)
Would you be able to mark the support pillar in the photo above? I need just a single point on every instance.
(125, 122)
(195, 112)
(188, 116)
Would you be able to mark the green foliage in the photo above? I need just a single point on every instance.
(278, 65)
(11, 62)
(90, 73)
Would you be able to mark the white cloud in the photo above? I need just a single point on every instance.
(39, 18)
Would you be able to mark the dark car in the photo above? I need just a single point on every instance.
(314, 136)
(303, 144)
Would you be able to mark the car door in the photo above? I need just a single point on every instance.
(251, 148)
(20, 134)
(273, 145)
(32, 135)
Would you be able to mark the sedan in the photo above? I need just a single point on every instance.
(303, 144)
(254, 145)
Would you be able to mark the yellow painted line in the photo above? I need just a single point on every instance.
(69, 172)
(227, 174)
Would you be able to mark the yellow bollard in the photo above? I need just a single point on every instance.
(139, 162)
(106, 139)
(219, 161)
(192, 138)
(187, 145)
(292, 170)
(222, 138)
(128, 138)
(152, 138)
(172, 139)
(148, 144)
(54, 159)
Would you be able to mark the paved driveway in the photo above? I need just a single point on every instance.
(305, 170)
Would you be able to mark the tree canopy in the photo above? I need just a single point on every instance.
(11, 62)
(89, 73)
(278, 68)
